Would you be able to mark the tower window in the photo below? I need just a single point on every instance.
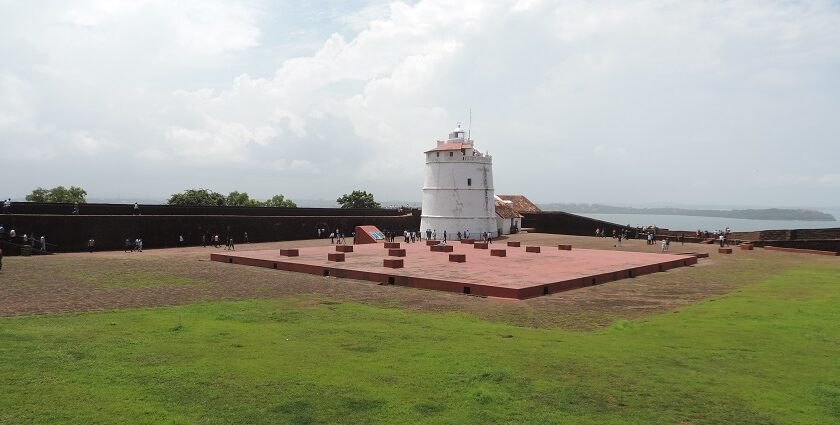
(469, 182)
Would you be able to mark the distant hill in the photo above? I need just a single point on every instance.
(751, 214)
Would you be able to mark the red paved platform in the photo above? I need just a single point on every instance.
(519, 275)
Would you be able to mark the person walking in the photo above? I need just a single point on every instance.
(180, 240)
(91, 243)
(43, 242)
(128, 245)
(332, 238)
(245, 239)
(230, 244)
(76, 208)
(444, 236)
(140, 244)
(722, 239)
(136, 208)
(7, 205)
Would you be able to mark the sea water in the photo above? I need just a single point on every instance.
(687, 222)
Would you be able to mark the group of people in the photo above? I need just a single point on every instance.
(649, 234)
(131, 246)
(28, 240)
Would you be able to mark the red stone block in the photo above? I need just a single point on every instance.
(394, 263)
(746, 247)
(458, 258)
(514, 244)
(344, 248)
(392, 245)
(498, 253)
(480, 245)
(534, 249)
(335, 256)
(289, 252)
(564, 247)
(396, 252)
(469, 241)
(442, 248)
(430, 242)
(724, 250)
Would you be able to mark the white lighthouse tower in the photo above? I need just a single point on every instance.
(458, 189)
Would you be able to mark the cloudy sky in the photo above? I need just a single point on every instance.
(616, 102)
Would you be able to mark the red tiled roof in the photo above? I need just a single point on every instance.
(520, 203)
(455, 146)
(505, 210)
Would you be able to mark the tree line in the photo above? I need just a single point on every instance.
(204, 197)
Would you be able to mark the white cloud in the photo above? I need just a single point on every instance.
(552, 85)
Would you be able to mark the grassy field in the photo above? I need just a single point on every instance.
(767, 353)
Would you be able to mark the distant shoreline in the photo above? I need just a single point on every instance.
(747, 214)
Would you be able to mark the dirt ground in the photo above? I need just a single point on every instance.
(67, 283)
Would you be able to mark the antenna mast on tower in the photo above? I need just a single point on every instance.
(469, 127)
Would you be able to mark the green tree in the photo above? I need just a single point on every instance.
(58, 194)
(280, 201)
(197, 197)
(241, 199)
(358, 199)
(38, 195)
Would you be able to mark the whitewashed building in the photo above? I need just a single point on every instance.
(458, 189)
(508, 220)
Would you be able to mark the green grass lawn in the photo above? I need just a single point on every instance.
(769, 353)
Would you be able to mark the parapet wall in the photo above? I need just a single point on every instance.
(567, 224)
(128, 209)
(71, 232)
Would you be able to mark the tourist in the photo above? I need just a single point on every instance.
(139, 244)
(434, 234)
(332, 238)
(459, 236)
(444, 236)
(230, 245)
(354, 237)
(428, 234)
(128, 246)
(136, 208)
(91, 243)
(490, 238)
(76, 208)
(43, 242)
(597, 232)
(7, 206)
(245, 237)
(180, 240)
(216, 241)
(204, 240)
(722, 239)
(664, 244)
